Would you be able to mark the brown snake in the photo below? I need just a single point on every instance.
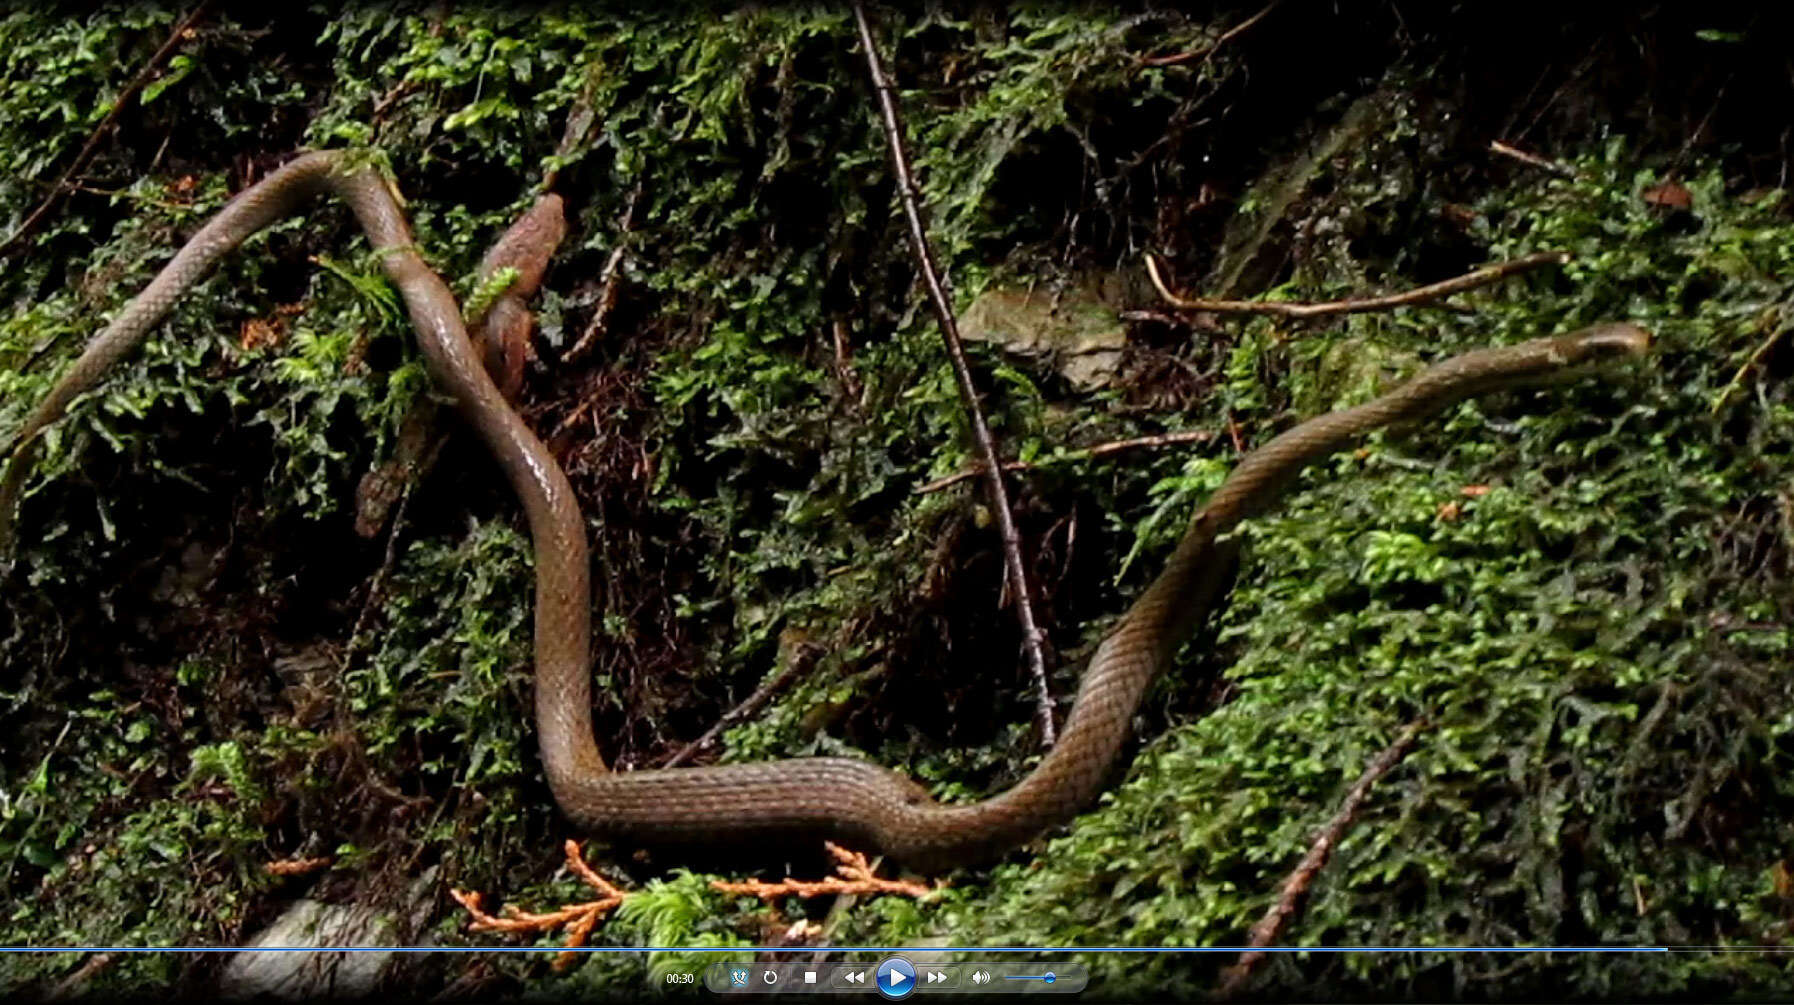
(853, 800)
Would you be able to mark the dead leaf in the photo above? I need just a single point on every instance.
(260, 334)
(1668, 195)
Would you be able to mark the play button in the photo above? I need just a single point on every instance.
(896, 978)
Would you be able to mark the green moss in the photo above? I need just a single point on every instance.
(1597, 639)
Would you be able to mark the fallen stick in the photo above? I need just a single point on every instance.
(802, 659)
(1296, 886)
(70, 986)
(1532, 160)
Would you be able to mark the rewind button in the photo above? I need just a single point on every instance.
(853, 977)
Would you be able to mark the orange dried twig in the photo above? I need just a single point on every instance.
(577, 920)
(856, 876)
(296, 866)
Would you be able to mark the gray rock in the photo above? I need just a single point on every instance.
(276, 965)
(1082, 334)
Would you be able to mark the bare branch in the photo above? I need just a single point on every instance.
(1296, 886)
(1360, 305)
(70, 986)
(607, 295)
(803, 658)
(1206, 51)
(910, 195)
(63, 185)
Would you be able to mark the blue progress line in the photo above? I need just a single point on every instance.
(867, 949)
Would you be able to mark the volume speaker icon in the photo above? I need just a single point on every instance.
(980, 977)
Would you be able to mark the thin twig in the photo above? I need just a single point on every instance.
(1154, 317)
(1206, 51)
(1750, 362)
(92, 146)
(607, 292)
(800, 663)
(1532, 160)
(910, 195)
(1296, 885)
(1358, 305)
(1100, 450)
(358, 635)
(580, 118)
(851, 386)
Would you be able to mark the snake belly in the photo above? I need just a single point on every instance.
(847, 799)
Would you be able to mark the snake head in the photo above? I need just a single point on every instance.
(1608, 341)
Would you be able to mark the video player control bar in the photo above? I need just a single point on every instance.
(896, 978)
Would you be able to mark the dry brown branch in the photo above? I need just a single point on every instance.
(855, 877)
(1532, 160)
(1296, 886)
(296, 866)
(851, 387)
(577, 920)
(802, 660)
(1100, 450)
(909, 194)
(475, 983)
(182, 31)
(607, 279)
(1359, 305)
(1209, 50)
(70, 986)
(581, 116)
(1155, 317)
(1233, 433)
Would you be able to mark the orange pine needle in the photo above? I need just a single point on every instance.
(295, 866)
(856, 877)
(576, 920)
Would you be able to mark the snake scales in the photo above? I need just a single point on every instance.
(849, 799)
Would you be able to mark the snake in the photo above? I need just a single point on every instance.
(851, 800)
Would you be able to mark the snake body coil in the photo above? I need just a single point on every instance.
(849, 799)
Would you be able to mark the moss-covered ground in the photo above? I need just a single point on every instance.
(1583, 588)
